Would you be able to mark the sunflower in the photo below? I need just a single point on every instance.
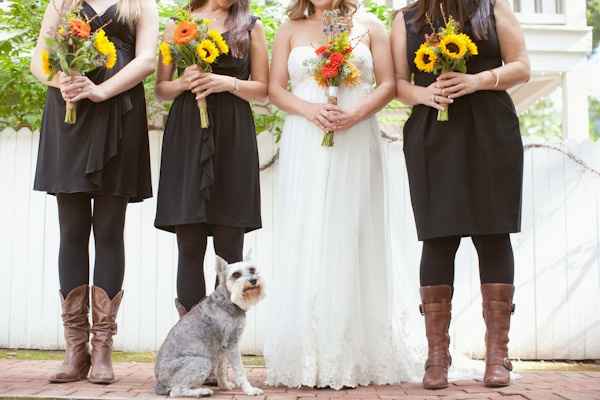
(185, 32)
(165, 53)
(207, 51)
(46, 67)
(80, 28)
(106, 48)
(219, 41)
(471, 47)
(426, 58)
(453, 46)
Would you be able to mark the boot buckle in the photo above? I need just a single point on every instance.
(421, 309)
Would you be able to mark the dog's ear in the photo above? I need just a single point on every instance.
(221, 268)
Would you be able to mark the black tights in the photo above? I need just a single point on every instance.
(191, 241)
(76, 220)
(496, 259)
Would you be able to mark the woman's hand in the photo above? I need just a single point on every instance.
(81, 87)
(322, 115)
(209, 83)
(345, 119)
(64, 81)
(455, 84)
(432, 96)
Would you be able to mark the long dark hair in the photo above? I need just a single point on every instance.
(236, 24)
(477, 12)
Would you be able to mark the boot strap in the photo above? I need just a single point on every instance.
(434, 307)
(496, 305)
(438, 363)
(506, 363)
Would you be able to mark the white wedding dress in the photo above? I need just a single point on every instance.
(331, 313)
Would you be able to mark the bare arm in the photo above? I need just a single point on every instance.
(256, 88)
(281, 97)
(135, 71)
(384, 77)
(516, 68)
(406, 91)
(168, 88)
(49, 24)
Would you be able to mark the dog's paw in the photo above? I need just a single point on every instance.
(253, 391)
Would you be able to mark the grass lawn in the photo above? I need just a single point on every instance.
(258, 361)
(118, 356)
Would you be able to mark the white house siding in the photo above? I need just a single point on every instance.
(558, 258)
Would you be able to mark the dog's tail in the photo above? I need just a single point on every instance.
(161, 389)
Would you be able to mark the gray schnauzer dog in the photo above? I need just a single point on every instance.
(207, 338)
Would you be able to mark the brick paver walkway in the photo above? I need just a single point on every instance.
(28, 379)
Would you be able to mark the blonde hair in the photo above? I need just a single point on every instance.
(300, 9)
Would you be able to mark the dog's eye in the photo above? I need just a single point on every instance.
(252, 271)
(236, 275)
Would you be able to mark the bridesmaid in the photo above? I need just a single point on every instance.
(95, 168)
(209, 178)
(465, 175)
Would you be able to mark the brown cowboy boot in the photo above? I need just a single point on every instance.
(75, 310)
(497, 309)
(104, 315)
(437, 308)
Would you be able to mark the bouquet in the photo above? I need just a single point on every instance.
(194, 43)
(75, 50)
(332, 67)
(446, 50)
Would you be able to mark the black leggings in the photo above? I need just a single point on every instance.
(496, 259)
(76, 220)
(191, 241)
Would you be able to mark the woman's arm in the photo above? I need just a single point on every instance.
(49, 24)
(406, 91)
(384, 77)
(281, 97)
(168, 88)
(134, 72)
(516, 68)
(249, 90)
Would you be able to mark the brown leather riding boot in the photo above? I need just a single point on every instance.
(437, 308)
(497, 309)
(181, 310)
(104, 326)
(75, 316)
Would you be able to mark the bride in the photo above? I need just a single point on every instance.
(331, 315)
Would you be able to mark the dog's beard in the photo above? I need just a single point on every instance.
(244, 295)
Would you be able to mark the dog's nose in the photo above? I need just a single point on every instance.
(253, 282)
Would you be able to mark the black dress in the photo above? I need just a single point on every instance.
(211, 176)
(106, 151)
(465, 175)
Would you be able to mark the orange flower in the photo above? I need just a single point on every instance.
(336, 59)
(321, 50)
(80, 28)
(330, 71)
(185, 32)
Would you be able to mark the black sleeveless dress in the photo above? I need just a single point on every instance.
(465, 175)
(211, 176)
(106, 151)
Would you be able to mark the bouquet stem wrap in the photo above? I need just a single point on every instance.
(332, 98)
(70, 113)
(443, 115)
(202, 106)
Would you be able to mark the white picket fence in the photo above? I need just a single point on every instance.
(558, 258)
